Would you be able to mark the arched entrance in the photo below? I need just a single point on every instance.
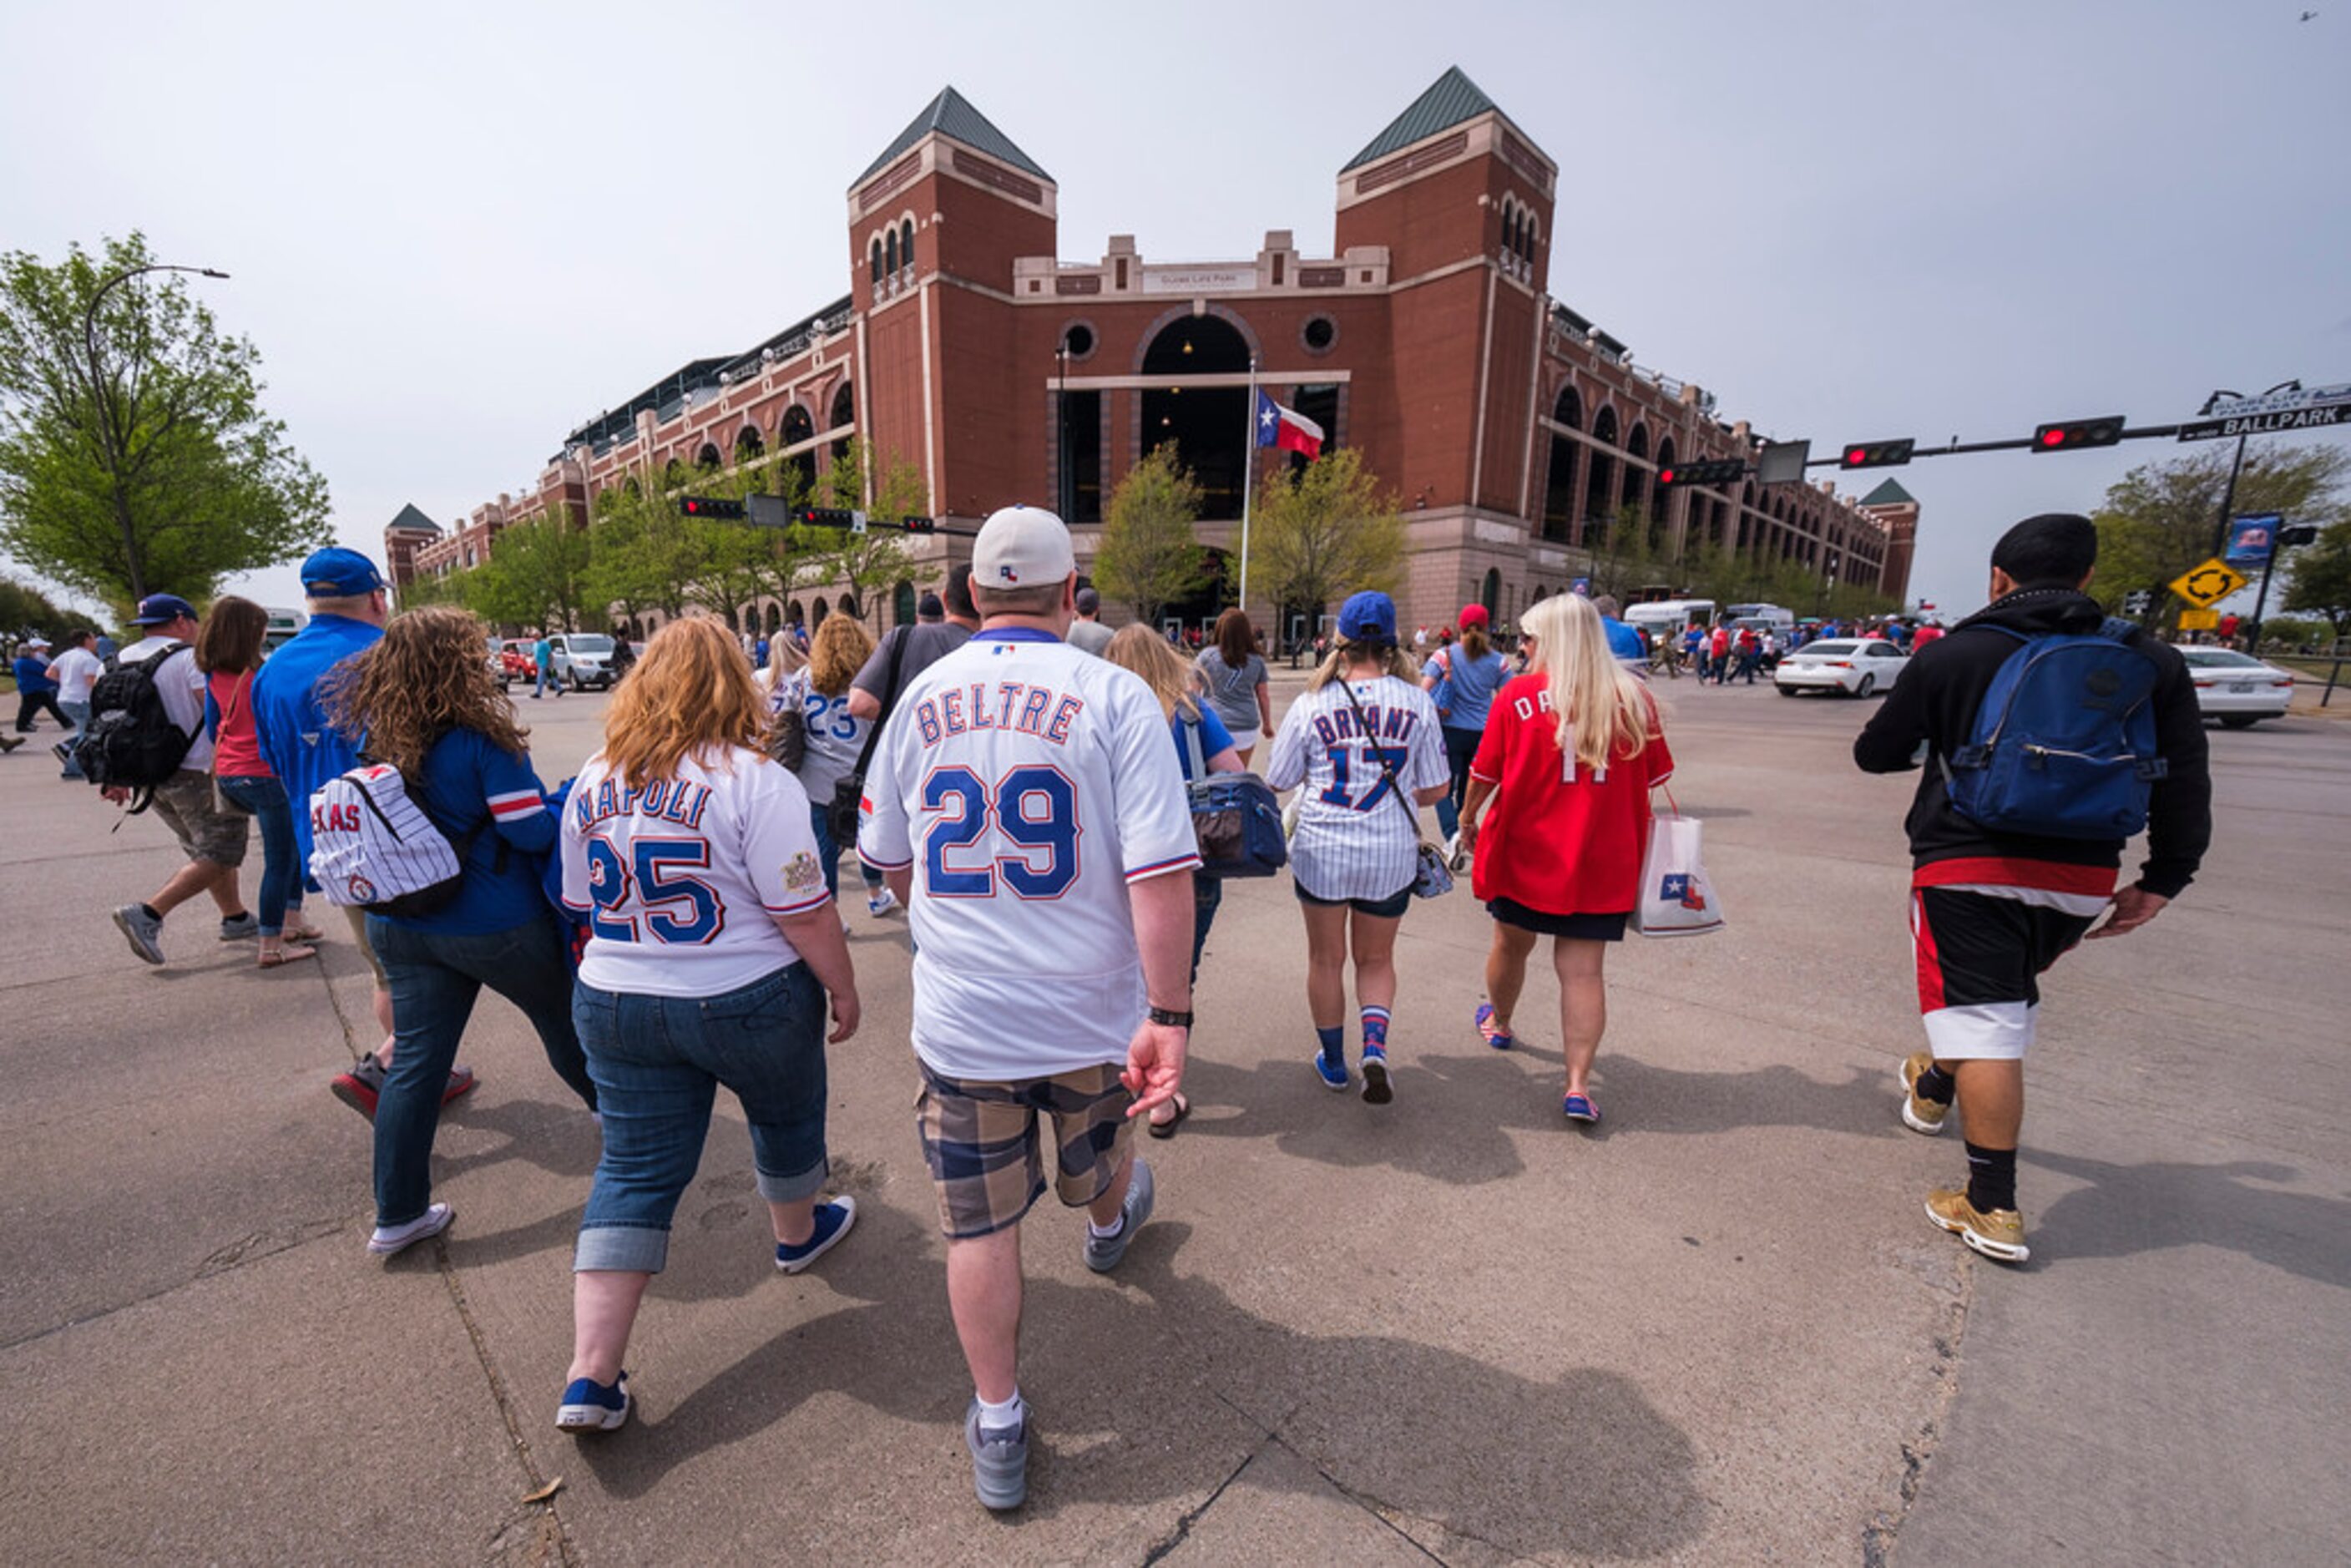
(1214, 595)
(1559, 488)
(797, 427)
(1208, 425)
(1490, 593)
(1599, 479)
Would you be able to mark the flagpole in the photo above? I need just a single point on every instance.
(1248, 478)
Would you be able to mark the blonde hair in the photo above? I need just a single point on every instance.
(428, 676)
(1392, 660)
(1603, 711)
(842, 647)
(1167, 672)
(785, 655)
(690, 695)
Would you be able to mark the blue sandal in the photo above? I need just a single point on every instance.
(1579, 1108)
(1484, 1020)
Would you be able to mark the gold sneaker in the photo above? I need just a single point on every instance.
(1999, 1235)
(1919, 1115)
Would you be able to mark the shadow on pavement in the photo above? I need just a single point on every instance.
(1581, 1466)
(2129, 1209)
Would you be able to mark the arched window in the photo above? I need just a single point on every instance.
(904, 604)
(873, 260)
(797, 427)
(844, 412)
(1658, 496)
(822, 611)
(1490, 594)
(707, 459)
(749, 447)
(1636, 479)
(794, 614)
(672, 474)
(1559, 485)
(1600, 473)
(848, 606)
(1208, 425)
(890, 255)
(906, 245)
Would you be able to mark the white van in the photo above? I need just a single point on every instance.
(1763, 618)
(1668, 616)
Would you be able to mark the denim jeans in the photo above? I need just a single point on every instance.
(828, 854)
(658, 1062)
(1207, 896)
(1460, 750)
(79, 715)
(264, 799)
(435, 977)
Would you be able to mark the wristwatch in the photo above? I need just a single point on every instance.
(1169, 1018)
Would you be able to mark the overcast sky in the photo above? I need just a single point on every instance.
(457, 231)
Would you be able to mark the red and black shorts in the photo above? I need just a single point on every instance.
(1980, 956)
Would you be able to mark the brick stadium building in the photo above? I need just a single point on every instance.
(1508, 425)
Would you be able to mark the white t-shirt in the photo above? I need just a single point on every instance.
(834, 738)
(1026, 783)
(75, 671)
(1352, 841)
(680, 881)
(181, 687)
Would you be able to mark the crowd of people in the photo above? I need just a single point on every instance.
(666, 919)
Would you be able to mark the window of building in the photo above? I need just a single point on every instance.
(1208, 424)
(749, 447)
(1320, 402)
(904, 603)
(1278, 259)
(873, 262)
(890, 255)
(1078, 433)
(1319, 334)
(844, 412)
(707, 459)
(906, 245)
(1078, 342)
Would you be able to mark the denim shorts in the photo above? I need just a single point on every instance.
(658, 1062)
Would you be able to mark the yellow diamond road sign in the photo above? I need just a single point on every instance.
(2205, 586)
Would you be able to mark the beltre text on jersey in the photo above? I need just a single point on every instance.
(1016, 706)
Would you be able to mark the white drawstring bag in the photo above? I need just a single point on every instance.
(1677, 895)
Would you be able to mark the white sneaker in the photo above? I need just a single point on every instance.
(390, 1240)
(881, 901)
(1454, 859)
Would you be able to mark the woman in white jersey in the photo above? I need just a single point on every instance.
(1363, 731)
(712, 947)
(836, 737)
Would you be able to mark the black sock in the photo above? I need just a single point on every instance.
(233, 919)
(1937, 1085)
(150, 912)
(1992, 1178)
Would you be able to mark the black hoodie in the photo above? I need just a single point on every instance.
(1935, 701)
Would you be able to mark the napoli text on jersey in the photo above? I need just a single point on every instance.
(1025, 784)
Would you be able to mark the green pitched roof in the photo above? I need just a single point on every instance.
(1889, 494)
(410, 518)
(1453, 98)
(951, 116)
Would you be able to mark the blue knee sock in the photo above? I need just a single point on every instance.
(1376, 1029)
(1334, 1043)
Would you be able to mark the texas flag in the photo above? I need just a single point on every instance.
(1286, 428)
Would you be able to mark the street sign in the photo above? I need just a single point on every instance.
(2332, 414)
(2205, 586)
(2138, 603)
(2199, 620)
(2285, 402)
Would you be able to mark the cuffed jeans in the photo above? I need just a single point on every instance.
(658, 1062)
(828, 854)
(435, 977)
(76, 714)
(1460, 750)
(264, 799)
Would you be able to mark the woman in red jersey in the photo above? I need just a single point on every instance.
(1571, 749)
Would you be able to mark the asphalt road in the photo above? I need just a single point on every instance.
(1718, 1331)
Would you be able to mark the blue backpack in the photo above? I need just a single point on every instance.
(2065, 743)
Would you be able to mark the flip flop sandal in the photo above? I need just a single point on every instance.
(1484, 1018)
(1167, 1129)
(279, 960)
(1579, 1108)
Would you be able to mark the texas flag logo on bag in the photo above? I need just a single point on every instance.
(1682, 889)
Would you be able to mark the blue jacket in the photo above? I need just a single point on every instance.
(295, 739)
(469, 786)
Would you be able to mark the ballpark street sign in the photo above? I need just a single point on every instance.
(2304, 408)
(2205, 586)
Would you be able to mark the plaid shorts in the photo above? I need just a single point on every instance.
(205, 831)
(981, 1140)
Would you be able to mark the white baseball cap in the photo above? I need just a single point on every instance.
(1021, 546)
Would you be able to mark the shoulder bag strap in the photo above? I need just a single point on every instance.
(1387, 772)
(898, 662)
(1192, 748)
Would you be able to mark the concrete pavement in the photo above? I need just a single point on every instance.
(1717, 1331)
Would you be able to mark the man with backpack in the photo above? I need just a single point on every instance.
(2049, 736)
(146, 739)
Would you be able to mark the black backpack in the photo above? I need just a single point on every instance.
(130, 742)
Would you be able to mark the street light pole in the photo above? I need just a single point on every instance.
(2236, 466)
(110, 440)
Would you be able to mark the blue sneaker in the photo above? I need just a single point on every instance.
(592, 1406)
(1376, 1089)
(832, 1222)
(1333, 1070)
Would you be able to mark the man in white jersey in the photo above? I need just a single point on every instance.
(1026, 806)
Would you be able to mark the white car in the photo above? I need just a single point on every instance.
(2237, 689)
(583, 659)
(1855, 666)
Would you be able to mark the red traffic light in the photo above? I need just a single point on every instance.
(709, 507)
(1715, 471)
(2070, 435)
(1877, 453)
(1665, 476)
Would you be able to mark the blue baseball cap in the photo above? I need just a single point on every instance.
(1368, 617)
(162, 610)
(339, 573)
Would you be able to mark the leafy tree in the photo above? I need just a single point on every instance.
(1626, 558)
(538, 575)
(2158, 521)
(644, 555)
(2320, 584)
(149, 462)
(1327, 531)
(24, 608)
(868, 563)
(1148, 555)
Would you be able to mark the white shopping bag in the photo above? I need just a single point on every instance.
(1676, 896)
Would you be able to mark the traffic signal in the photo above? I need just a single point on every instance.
(1877, 453)
(1713, 471)
(2071, 434)
(709, 507)
(2298, 533)
(919, 525)
(822, 518)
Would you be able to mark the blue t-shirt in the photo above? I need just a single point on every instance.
(1623, 641)
(1214, 737)
(33, 674)
(288, 723)
(1465, 687)
(471, 786)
